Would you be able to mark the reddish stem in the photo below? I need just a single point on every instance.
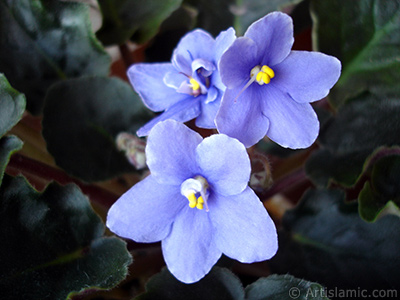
(41, 173)
(295, 178)
(126, 55)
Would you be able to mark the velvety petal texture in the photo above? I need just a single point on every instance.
(190, 250)
(243, 227)
(166, 206)
(275, 103)
(241, 115)
(307, 76)
(148, 81)
(273, 34)
(237, 62)
(146, 217)
(292, 125)
(183, 111)
(171, 152)
(226, 178)
(191, 77)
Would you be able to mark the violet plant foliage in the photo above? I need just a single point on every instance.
(189, 86)
(197, 202)
(270, 87)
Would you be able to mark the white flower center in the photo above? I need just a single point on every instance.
(196, 191)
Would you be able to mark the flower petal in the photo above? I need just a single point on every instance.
(146, 211)
(307, 76)
(223, 41)
(174, 79)
(224, 163)
(195, 44)
(236, 63)
(242, 118)
(202, 66)
(183, 111)
(273, 35)
(171, 152)
(292, 125)
(209, 110)
(244, 230)
(190, 251)
(147, 80)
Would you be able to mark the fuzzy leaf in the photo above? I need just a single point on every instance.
(359, 127)
(140, 19)
(8, 145)
(53, 244)
(213, 15)
(43, 42)
(365, 36)
(219, 284)
(325, 240)
(82, 118)
(277, 287)
(381, 193)
(12, 106)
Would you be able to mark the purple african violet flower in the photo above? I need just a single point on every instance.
(270, 87)
(189, 87)
(197, 202)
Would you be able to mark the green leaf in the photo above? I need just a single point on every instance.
(219, 284)
(8, 145)
(43, 42)
(248, 11)
(365, 36)
(381, 193)
(277, 287)
(53, 244)
(324, 239)
(141, 19)
(82, 118)
(213, 15)
(12, 106)
(360, 127)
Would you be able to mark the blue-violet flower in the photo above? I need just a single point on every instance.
(190, 86)
(269, 87)
(196, 201)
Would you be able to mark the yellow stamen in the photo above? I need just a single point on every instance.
(195, 85)
(193, 202)
(267, 70)
(263, 74)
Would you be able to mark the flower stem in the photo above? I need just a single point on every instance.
(40, 174)
(292, 180)
(126, 55)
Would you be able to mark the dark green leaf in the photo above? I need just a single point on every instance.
(82, 118)
(123, 19)
(248, 11)
(219, 284)
(325, 240)
(213, 15)
(12, 106)
(53, 244)
(171, 31)
(277, 287)
(382, 191)
(43, 42)
(8, 145)
(360, 127)
(365, 36)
